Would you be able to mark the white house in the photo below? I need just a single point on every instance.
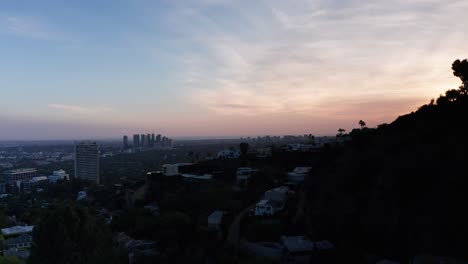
(298, 174)
(298, 249)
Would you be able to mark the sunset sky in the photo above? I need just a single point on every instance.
(101, 69)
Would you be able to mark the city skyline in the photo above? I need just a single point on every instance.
(220, 67)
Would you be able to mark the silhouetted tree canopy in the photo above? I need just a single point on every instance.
(460, 69)
(340, 132)
(362, 124)
(69, 234)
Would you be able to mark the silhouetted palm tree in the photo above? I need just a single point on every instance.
(362, 124)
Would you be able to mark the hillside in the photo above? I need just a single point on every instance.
(399, 189)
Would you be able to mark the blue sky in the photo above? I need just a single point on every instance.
(94, 69)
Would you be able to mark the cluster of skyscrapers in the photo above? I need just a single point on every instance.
(147, 141)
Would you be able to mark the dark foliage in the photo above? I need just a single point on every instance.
(399, 189)
(70, 234)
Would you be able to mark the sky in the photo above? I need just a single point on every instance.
(102, 69)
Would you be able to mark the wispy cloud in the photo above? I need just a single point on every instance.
(83, 110)
(29, 26)
(288, 57)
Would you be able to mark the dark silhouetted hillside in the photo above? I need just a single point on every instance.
(399, 189)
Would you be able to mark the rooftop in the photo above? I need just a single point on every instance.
(40, 178)
(197, 177)
(15, 230)
(21, 170)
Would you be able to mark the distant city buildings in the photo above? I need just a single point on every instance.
(26, 180)
(125, 142)
(12, 176)
(142, 140)
(136, 141)
(87, 161)
(147, 141)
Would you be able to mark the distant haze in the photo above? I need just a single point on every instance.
(101, 69)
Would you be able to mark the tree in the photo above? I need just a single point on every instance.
(362, 124)
(452, 95)
(460, 69)
(244, 148)
(69, 234)
(340, 132)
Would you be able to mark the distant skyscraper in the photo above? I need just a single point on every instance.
(143, 140)
(136, 141)
(158, 139)
(148, 140)
(125, 142)
(153, 138)
(87, 161)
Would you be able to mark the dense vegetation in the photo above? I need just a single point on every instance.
(399, 189)
(70, 234)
